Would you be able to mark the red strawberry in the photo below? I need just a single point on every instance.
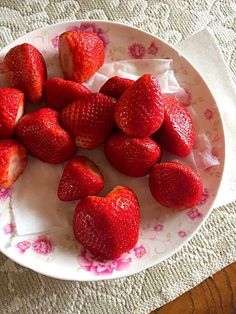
(11, 110)
(25, 69)
(108, 226)
(80, 178)
(132, 156)
(175, 185)
(115, 86)
(139, 111)
(13, 160)
(89, 120)
(60, 93)
(44, 137)
(81, 55)
(176, 134)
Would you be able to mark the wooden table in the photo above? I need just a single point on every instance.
(215, 295)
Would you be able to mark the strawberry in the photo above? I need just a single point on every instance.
(175, 185)
(25, 69)
(108, 226)
(81, 55)
(89, 120)
(13, 160)
(45, 139)
(11, 110)
(176, 135)
(139, 110)
(115, 86)
(80, 178)
(60, 93)
(132, 156)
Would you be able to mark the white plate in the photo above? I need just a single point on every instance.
(162, 231)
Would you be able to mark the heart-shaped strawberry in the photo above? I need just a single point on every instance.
(139, 110)
(108, 226)
(176, 134)
(80, 178)
(81, 55)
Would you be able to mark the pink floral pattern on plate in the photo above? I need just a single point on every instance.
(153, 49)
(87, 262)
(23, 246)
(194, 214)
(9, 228)
(140, 251)
(55, 41)
(137, 51)
(158, 227)
(204, 196)
(208, 113)
(182, 233)
(43, 245)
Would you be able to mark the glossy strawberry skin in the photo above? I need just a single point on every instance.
(25, 70)
(139, 110)
(89, 120)
(132, 156)
(175, 185)
(176, 135)
(59, 93)
(45, 139)
(13, 160)
(80, 178)
(81, 55)
(11, 110)
(108, 226)
(115, 86)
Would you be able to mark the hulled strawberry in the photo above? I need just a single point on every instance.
(60, 93)
(115, 86)
(176, 134)
(132, 156)
(139, 110)
(45, 139)
(25, 70)
(80, 178)
(13, 160)
(108, 226)
(11, 110)
(81, 55)
(175, 185)
(89, 120)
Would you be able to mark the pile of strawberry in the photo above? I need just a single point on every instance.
(133, 120)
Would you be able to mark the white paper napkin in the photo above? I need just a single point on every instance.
(133, 69)
(35, 204)
(210, 64)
